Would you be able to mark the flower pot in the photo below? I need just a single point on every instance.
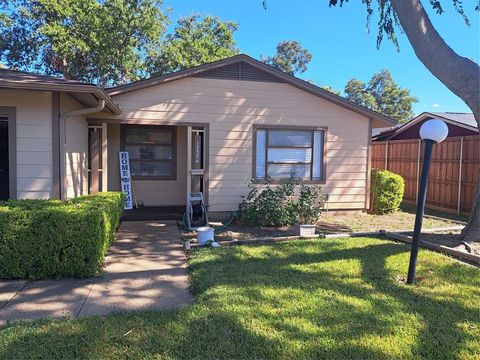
(307, 230)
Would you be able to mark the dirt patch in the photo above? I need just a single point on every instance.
(239, 232)
(450, 239)
(398, 221)
(332, 224)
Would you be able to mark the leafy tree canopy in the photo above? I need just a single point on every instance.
(195, 41)
(103, 42)
(290, 57)
(356, 91)
(382, 94)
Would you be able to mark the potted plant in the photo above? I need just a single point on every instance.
(308, 207)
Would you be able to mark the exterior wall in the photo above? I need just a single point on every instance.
(232, 108)
(76, 149)
(151, 192)
(34, 141)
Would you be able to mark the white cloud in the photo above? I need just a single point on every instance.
(436, 105)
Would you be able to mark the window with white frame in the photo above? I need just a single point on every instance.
(282, 154)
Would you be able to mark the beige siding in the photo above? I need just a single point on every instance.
(34, 141)
(151, 192)
(232, 108)
(76, 149)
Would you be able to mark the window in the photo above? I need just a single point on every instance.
(289, 154)
(152, 151)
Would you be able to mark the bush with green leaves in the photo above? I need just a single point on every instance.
(288, 203)
(387, 191)
(53, 238)
(308, 206)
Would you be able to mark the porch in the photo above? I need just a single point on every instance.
(166, 161)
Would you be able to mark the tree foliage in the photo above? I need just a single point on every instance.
(356, 91)
(103, 42)
(388, 20)
(382, 94)
(290, 58)
(331, 89)
(195, 41)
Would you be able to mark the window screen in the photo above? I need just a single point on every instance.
(289, 154)
(151, 151)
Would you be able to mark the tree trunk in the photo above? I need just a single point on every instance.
(459, 74)
(471, 232)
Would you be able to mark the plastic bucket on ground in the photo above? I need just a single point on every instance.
(205, 234)
(307, 230)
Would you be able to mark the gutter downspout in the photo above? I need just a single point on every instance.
(63, 141)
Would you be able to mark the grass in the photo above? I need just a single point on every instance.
(338, 298)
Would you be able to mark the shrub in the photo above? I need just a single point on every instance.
(387, 191)
(288, 203)
(308, 206)
(53, 238)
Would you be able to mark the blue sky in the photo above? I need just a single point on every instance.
(340, 46)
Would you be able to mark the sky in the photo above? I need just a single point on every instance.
(340, 46)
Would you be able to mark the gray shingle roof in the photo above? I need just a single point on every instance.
(29, 77)
(464, 118)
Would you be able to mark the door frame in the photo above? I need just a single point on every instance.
(10, 113)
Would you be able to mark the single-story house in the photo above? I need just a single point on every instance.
(212, 128)
(459, 124)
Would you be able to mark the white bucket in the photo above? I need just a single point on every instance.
(307, 231)
(205, 234)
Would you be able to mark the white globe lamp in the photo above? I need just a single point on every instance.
(435, 130)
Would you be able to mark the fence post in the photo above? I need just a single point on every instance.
(460, 177)
(418, 166)
(386, 155)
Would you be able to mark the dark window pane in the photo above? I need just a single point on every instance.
(145, 168)
(147, 136)
(149, 152)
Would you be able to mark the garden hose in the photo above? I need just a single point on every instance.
(233, 215)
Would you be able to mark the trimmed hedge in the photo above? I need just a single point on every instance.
(387, 191)
(53, 238)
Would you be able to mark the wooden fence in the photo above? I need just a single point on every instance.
(454, 171)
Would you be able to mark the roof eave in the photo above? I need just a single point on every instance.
(98, 92)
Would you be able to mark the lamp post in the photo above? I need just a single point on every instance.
(433, 132)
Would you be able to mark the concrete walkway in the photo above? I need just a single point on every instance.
(145, 269)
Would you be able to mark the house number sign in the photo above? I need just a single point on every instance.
(125, 179)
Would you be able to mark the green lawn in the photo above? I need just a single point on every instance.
(304, 299)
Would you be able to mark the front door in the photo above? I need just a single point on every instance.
(4, 174)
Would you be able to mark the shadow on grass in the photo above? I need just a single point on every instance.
(282, 301)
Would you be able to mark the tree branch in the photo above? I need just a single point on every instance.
(459, 74)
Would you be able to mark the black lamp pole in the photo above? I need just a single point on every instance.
(422, 195)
